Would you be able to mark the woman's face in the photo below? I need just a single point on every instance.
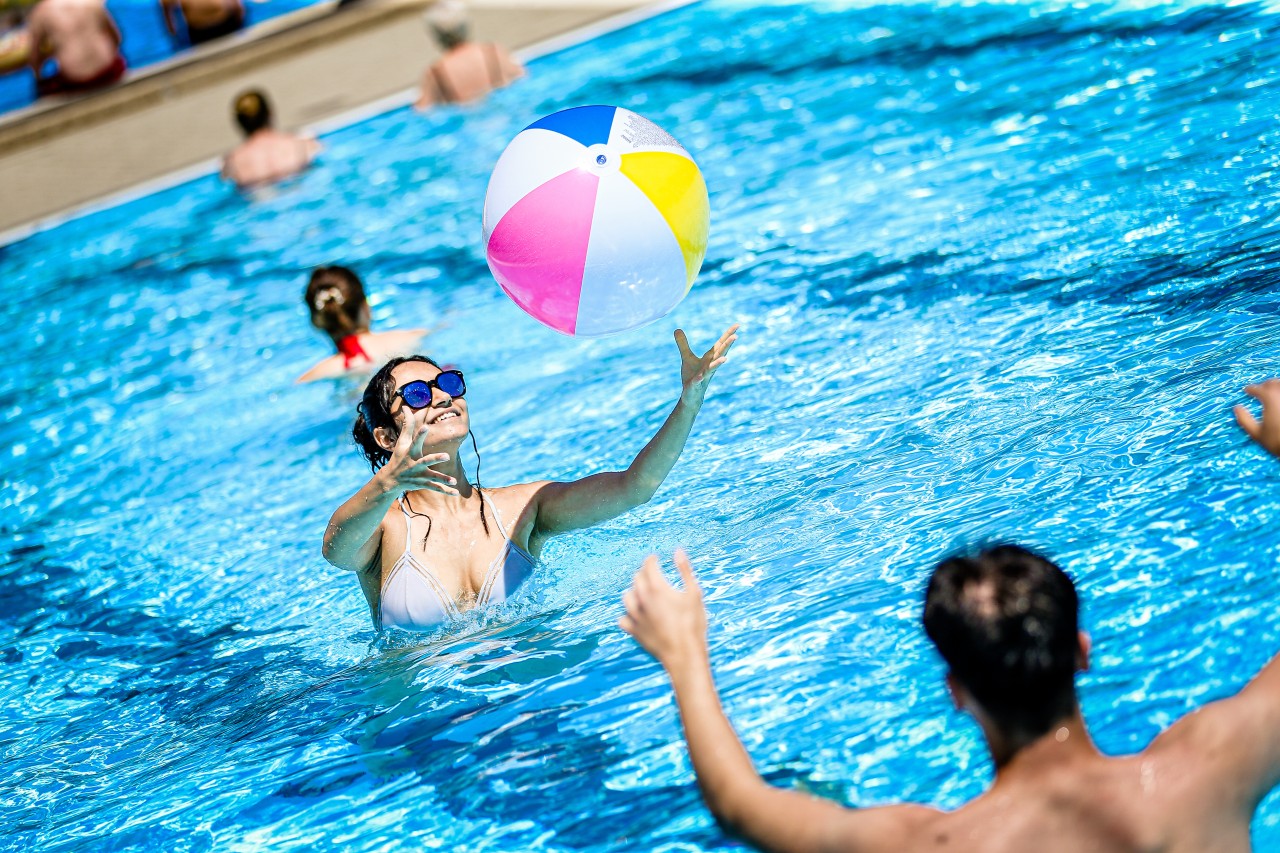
(446, 418)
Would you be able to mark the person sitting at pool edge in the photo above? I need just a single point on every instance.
(81, 37)
(266, 155)
(417, 534)
(336, 300)
(468, 70)
(1005, 623)
(15, 42)
(206, 20)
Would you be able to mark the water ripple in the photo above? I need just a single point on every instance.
(1003, 271)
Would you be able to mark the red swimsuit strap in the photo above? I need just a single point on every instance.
(350, 349)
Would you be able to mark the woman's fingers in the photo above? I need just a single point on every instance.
(421, 474)
(726, 341)
(423, 470)
(431, 459)
(420, 437)
(682, 341)
(404, 421)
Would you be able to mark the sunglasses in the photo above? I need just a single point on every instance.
(417, 394)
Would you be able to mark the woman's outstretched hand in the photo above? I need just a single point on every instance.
(696, 371)
(670, 624)
(408, 469)
(1266, 431)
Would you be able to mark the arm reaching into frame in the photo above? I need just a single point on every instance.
(1234, 738)
(671, 625)
(1265, 432)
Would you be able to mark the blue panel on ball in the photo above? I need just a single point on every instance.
(588, 125)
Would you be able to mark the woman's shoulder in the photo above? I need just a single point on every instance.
(327, 368)
(517, 496)
(385, 345)
(394, 335)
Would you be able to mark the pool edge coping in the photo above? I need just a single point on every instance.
(356, 115)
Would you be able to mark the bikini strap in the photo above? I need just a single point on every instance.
(497, 518)
(408, 524)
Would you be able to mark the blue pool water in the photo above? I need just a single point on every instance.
(1002, 270)
(145, 40)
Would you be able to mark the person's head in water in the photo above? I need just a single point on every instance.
(1006, 621)
(253, 113)
(447, 20)
(377, 423)
(446, 417)
(337, 303)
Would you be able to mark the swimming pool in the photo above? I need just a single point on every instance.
(1002, 269)
(145, 41)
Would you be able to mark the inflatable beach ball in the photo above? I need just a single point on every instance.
(595, 221)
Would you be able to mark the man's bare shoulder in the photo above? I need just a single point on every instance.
(1206, 752)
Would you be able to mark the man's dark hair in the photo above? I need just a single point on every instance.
(1006, 622)
(253, 113)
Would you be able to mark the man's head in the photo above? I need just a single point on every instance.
(253, 113)
(448, 20)
(1006, 621)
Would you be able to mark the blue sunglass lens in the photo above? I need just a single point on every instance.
(451, 384)
(417, 394)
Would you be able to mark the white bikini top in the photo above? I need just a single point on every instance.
(414, 599)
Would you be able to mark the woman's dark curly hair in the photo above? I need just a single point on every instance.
(374, 411)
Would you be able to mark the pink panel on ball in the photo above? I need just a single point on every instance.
(539, 248)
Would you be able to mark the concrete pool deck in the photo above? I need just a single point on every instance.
(171, 120)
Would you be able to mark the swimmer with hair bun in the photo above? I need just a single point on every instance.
(267, 155)
(336, 300)
(426, 541)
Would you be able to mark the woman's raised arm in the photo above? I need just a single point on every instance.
(562, 507)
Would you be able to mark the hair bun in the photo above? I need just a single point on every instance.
(327, 295)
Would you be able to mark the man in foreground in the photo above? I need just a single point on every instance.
(81, 38)
(266, 155)
(1005, 622)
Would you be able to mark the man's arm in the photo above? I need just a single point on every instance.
(429, 93)
(1234, 740)
(511, 68)
(671, 625)
(562, 507)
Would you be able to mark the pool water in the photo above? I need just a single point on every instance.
(1002, 269)
(144, 40)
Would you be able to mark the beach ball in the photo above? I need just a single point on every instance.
(595, 221)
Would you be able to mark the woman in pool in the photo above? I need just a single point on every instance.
(427, 543)
(338, 308)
